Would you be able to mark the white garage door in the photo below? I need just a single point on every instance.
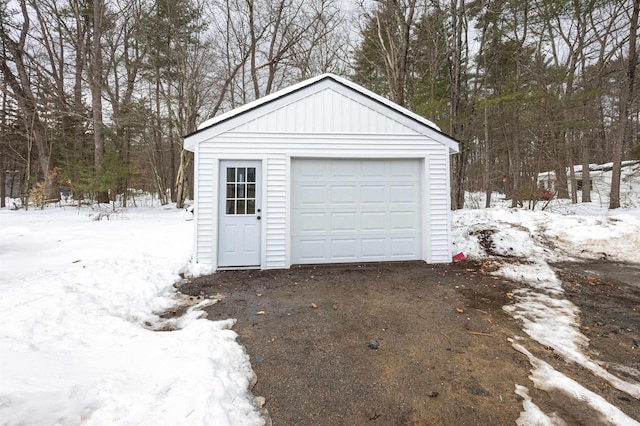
(355, 210)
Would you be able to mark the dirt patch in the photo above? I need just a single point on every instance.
(393, 343)
(608, 295)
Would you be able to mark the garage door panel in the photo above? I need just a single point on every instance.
(343, 169)
(372, 170)
(403, 169)
(404, 194)
(373, 248)
(343, 249)
(404, 221)
(355, 210)
(310, 195)
(403, 246)
(343, 195)
(372, 194)
(373, 221)
(312, 250)
(311, 170)
(343, 222)
(310, 222)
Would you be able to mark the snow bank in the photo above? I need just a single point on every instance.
(550, 237)
(527, 242)
(79, 302)
(546, 378)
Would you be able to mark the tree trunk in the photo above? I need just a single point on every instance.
(3, 183)
(21, 85)
(458, 166)
(96, 94)
(459, 161)
(172, 161)
(487, 159)
(182, 186)
(83, 23)
(515, 170)
(586, 177)
(573, 180)
(626, 98)
(3, 165)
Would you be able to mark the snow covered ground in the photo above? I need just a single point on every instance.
(80, 303)
(534, 239)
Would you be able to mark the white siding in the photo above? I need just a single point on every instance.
(439, 210)
(276, 213)
(324, 123)
(206, 193)
(326, 111)
(276, 150)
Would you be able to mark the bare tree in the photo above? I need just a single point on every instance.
(184, 98)
(458, 46)
(19, 86)
(3, 143)
(265, 45)
(626, 100)
(387, 37)
(96, 84)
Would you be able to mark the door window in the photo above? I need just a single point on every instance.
(241, 191)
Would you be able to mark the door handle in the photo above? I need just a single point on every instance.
(258, 217)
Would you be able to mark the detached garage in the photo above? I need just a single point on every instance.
(324, 171)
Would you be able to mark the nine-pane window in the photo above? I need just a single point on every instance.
(241, 190)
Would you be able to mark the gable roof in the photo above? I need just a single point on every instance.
(427, 126)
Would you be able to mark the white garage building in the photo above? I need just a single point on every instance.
(324, 171)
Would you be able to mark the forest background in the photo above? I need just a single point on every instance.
(97, 94)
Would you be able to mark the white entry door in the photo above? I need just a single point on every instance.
(239, 223)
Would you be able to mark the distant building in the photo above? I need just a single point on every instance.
(599, 176)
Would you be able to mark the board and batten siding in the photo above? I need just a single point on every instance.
(323, 111)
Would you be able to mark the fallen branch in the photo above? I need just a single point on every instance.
(476, 333)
